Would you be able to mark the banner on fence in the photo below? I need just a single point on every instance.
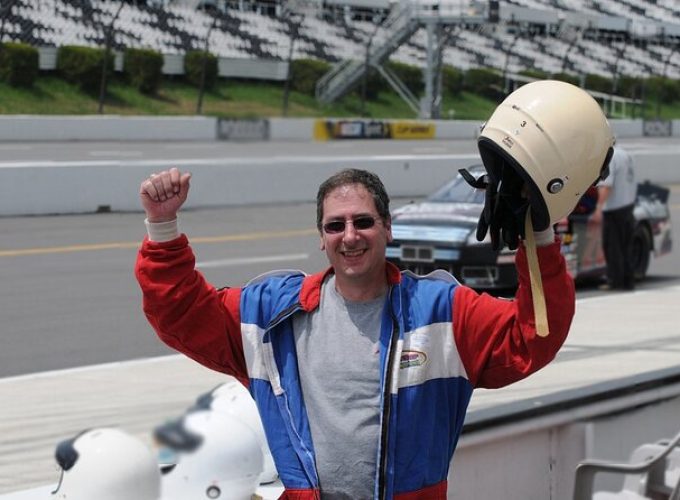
(657, 128)
(372, 129)
(242, 130)
(412, 130)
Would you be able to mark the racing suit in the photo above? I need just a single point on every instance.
(439, 340)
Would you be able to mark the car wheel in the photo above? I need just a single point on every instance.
(642, 247)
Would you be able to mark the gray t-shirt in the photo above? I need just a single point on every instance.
(339, 365)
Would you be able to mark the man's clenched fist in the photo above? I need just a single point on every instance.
(163, 193)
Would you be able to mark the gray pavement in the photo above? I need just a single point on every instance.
(26, 153)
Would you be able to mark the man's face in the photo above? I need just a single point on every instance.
(357, 255)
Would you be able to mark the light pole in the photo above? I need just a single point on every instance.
(294, 22)
(663, 77)
(507, 58)
(577, 34)
(109, 33)
(443, 37)
(615, 75)
(204, 64)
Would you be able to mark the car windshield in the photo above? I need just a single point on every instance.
(459, 191)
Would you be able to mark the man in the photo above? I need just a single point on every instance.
(362, 374)
(615, 206)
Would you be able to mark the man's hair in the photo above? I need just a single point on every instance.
(369, 180)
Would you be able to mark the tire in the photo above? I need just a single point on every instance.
(642, 248)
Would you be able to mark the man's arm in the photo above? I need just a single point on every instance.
(497, 338)
(186, 312)
(603, 193)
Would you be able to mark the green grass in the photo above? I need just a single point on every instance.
(467, 106)
(667, 111)
(230, 99)
(51, 95)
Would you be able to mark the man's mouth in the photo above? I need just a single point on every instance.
(353, 253)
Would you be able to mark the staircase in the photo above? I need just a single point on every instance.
(395, 30)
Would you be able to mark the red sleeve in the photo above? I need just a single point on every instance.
(496, 338)
(188, 313)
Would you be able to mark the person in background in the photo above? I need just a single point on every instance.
(362, 374)
(615, 205)
(592, 252)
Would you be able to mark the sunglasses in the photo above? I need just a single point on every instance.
(360, 224)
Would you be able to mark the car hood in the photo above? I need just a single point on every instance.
(427, 221)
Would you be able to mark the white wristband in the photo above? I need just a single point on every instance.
(162, 231)
(545, 237)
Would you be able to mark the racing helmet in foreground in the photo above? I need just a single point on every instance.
(106, 464)
(214, 456)
(556, 138)
(232, 398)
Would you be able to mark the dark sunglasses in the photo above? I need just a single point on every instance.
(360, 224)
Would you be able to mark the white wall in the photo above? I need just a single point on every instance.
(105, 128)
(82, 187)
(173, 64)
(539, 462)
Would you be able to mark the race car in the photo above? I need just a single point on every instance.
(440, 233)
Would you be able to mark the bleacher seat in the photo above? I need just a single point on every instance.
(653, 472)
(173, 28)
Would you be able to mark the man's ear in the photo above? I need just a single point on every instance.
(388, 227)
(322, 243)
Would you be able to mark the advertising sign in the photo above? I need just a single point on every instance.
(412, 130)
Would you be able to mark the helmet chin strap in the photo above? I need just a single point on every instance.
(540, 314)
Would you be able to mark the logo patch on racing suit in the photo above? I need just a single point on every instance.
(412, 358)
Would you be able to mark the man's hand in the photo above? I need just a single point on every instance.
(163, 194)
(596, 216)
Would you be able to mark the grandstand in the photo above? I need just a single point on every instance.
(637, 38)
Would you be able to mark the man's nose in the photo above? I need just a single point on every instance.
(350, 232)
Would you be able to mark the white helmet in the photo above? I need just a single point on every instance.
(556, 137)
(234, 399)
(106, 464)
(216, 456)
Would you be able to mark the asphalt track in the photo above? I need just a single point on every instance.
(180, 152)
(68, 299)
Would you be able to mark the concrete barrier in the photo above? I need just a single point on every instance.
(86, 187)
(458, 129)
(627, 128)
(291, 129)
(20, 128)
(49, 187)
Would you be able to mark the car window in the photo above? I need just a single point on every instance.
(458, 191)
